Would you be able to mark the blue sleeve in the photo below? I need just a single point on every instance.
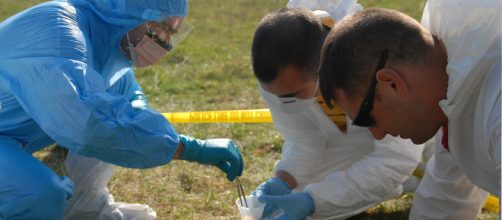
(126, 85)
(47, 69)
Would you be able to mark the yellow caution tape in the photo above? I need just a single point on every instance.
(229, 116)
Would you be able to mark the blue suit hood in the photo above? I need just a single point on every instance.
(114, 19)
(101, 26)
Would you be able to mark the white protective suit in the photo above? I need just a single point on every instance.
(456, 180)
(344, 173)
(91, 198)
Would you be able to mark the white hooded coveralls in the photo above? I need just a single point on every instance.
(456, 179)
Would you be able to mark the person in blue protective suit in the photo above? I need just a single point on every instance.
(66, 77)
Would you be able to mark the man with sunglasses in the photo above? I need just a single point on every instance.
(335, 170)
(67, 77)
(441, 79)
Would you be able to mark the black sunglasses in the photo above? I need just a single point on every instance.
(363, 117)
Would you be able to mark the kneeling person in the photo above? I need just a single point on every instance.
(336, 170)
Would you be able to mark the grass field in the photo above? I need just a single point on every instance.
(211, 70)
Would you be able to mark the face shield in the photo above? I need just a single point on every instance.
(148, 43)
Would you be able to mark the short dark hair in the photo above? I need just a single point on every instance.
(352, 48)
(287, 36)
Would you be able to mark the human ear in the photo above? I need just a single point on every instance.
(391, 81)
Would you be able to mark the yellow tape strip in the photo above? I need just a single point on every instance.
(229, 116)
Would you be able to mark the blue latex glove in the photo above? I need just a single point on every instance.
(273, 186)
(296, 205)
(222, 153)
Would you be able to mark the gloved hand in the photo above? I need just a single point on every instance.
(296, 205)
(222, 153)
(274, 186)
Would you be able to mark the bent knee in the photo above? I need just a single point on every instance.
(38, 200)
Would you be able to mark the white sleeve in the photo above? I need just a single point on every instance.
(495, 151)
(494, 126)
(303, 143)
(445, 192)
(376, 177)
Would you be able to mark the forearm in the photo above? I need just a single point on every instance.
(179, 150)
(80, 114)
(372, 179)
(300, 163)
(339, 197)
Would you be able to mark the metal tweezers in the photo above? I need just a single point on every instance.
(240, 191)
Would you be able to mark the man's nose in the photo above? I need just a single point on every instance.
(377, 133)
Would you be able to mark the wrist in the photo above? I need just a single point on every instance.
(287, 178)
(190, 149)
(179, 150)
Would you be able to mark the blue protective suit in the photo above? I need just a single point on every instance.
(64, 80)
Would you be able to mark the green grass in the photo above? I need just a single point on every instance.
(211, 70)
